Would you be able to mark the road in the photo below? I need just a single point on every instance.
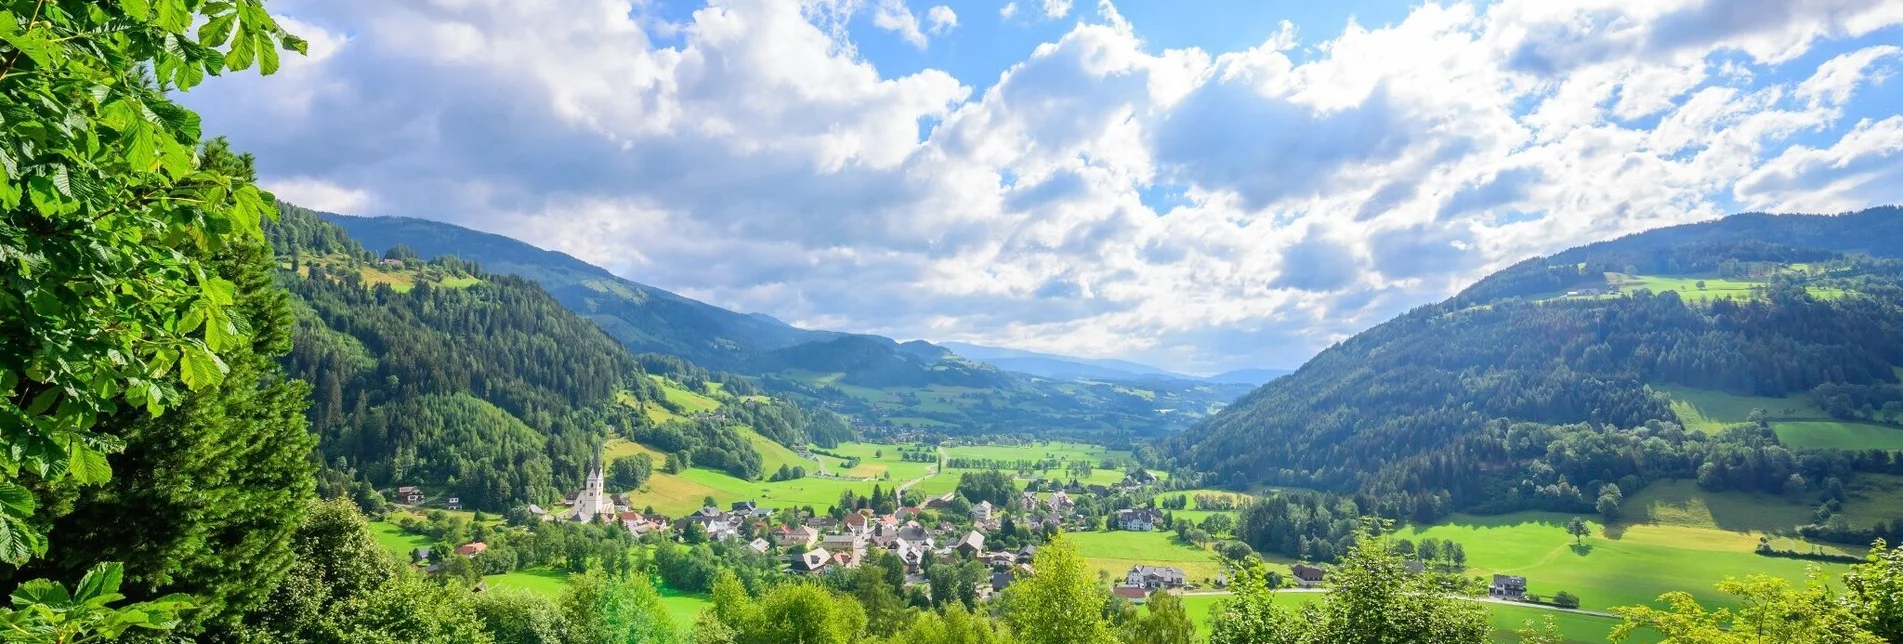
(930, 471)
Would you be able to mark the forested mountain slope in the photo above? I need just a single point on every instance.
(479, 385)
(1471, 403)
(878, 381)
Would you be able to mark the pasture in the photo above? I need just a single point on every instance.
(544, 581)
(1683, 504)
(1798, 421)
(1576, 628)
(395, 540)
(1632, 564)
(1115, 552)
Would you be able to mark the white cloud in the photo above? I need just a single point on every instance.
(941, 20)
(1205, 210)
(1010, 10)
(318, 194)
(894, 16)
(1838, 77)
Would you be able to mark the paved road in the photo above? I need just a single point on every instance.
(930, 471)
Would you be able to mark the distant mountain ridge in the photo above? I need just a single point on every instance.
(876, 379)
(1051, 365)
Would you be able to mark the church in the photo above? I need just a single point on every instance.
(593, 503)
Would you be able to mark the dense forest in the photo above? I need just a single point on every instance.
(481, 384)
(1512, 396)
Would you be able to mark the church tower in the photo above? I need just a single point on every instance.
(593, 500)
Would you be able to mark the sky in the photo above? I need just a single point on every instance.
(1201, 186)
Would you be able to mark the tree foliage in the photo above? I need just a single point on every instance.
(1061, 603)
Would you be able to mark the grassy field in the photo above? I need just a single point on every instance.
(1578, 629)
(618, 448)
(542, 581)
(683, 608)
(1633, 564)
(1797, 420)
(395, 540)
(879, 459)
(773, 455)
(1115, 552)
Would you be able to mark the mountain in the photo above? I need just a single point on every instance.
(1051, 365)
(880, 382)
(645, 318)
(483, 386)
(1616, 363)
(1251, 377)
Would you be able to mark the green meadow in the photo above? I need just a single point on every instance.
(1796, 419)
(1631, 564)
(1576, 628)
(1116, 551)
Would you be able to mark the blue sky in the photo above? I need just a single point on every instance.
(1202, 186)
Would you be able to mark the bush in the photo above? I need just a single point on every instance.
(1566, 600)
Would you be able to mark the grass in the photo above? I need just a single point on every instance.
(541, 581)
(683, 608)
(1031, 452)
(1115, 552)
(395, 540)
(1576, 628)
(773, 455)
(1796, 419)
(619, 448)
(1632, 565)
(1683, 504)
(1831, 434)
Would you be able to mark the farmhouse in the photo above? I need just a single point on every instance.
(1154, 577)
(759, 546)
(1307, 576)
(812, 561)
(972, 545)
(1133, 593)
(1139, 519)
(802, 535)
(472, 548)
(982, 511)
(455, 503)
(1512, 587)
(409, 494)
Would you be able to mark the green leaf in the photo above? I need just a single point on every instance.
(19, 542)
(41, 591)
(142, 147)
(200, 368)
(102, 580)
(16, 500)
(88, 466)
(37, 43)
(217, 31)
(192, 319)
(296, 44)
(267, 55)
(43, 402)
(137, 9)
(173, 16)
(219, 291)
(242, 51)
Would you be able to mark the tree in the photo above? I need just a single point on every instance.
(1609, 499)
(1165, 622)
(630, 472)
(229, 465)
(1875, 590)
(108, 303)
(1565, 599)
(1578, 529)
(1375, 600)
(516, 616)
(954, 625)
(1546, 633)
(1700, 284)
(1061, 603)
(1770, 611)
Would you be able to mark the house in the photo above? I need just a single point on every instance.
(1026, 554)
(1510, 587)
(812, 561)
(472, 548)
(1060, 501)
(915, 533)
(851, 545)
(1028, 502)
(1138, 478)
(1154, 577)
(1000, 580)
(1307, 576)
(972, 545)
(940, 502)
(409, 495)
(744, 506)
(455, 503)
(856, 522)
(539, 513)
(911, 553)
(1132, 593)
(420, 554)
(802, 535)
(982, 511)
(1139, 519)
(759, 546)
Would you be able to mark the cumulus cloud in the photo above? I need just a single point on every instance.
(751, 155)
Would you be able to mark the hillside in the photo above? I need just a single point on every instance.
(1543, 383)
(483, 386)
(881, 383)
